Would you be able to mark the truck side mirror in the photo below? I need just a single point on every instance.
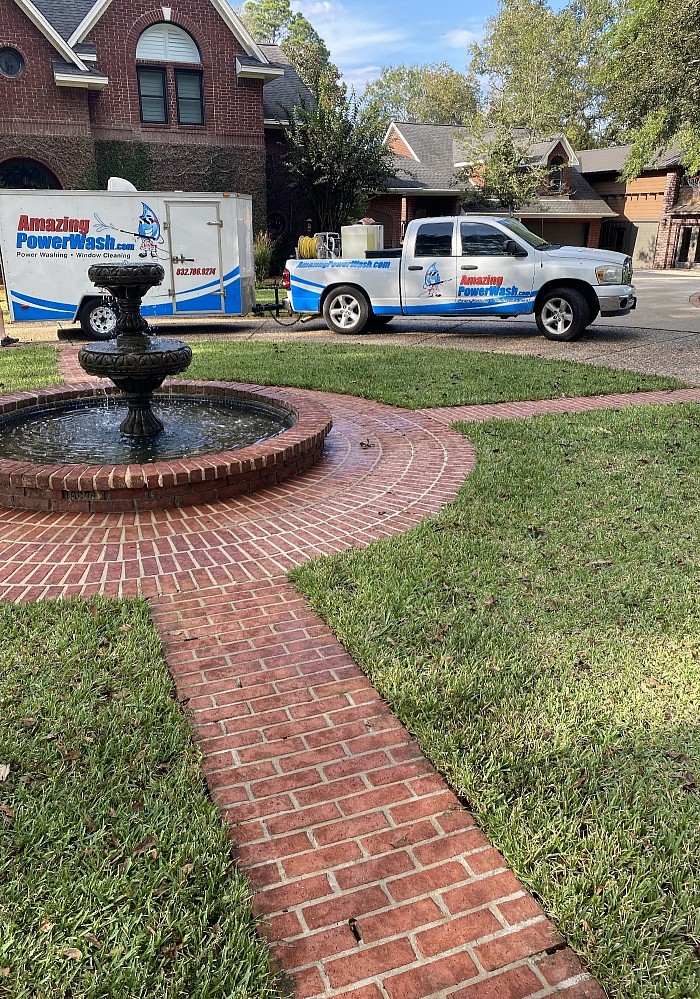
(513, 249)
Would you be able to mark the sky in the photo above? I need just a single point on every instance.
(364, 35)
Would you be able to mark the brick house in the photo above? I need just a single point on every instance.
(176, 97)
(657, 217)
(427, 158)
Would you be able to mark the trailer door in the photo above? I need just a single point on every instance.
(196, 278)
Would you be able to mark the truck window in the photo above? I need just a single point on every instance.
(479, 240)
(434, 239)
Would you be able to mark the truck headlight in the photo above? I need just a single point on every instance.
(610, 274)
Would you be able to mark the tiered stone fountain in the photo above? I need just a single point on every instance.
(63, 449)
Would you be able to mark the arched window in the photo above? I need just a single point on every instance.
(29, 174)
(166, 43)
(556, 175)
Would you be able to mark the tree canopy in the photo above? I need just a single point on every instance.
(652, 79)
(336, 158)
(273, 22)
(541, 67)
(499, 174)
(434, 93)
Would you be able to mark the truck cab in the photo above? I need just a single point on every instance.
(464, 266)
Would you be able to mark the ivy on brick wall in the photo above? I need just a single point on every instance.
(130, 160)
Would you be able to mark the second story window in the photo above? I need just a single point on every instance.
(166, 44)
(153, 95)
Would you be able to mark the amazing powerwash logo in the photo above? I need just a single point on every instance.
(59, 237)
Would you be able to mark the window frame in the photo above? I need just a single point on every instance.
(166, 101)
(199, 75)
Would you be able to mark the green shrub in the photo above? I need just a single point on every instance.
(263, 248)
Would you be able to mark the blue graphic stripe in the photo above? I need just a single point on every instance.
(504, 307)
(309, 284)
(305, 299)
(42, 302)
(227, 279)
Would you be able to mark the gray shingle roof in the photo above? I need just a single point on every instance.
(64, 15)
(612, 159)
(440, 147)
(583, 201)
(285, 92)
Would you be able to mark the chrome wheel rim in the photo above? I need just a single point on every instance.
(103, 319)
(345, 312)
(557, 316)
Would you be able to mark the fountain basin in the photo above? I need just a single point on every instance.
(162, 483)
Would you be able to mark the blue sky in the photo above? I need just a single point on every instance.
(364, 35)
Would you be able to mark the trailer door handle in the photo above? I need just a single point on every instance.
(470, 267)
(220, 224)
(415, 267)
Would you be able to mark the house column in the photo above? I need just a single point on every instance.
(593, 241)
(668, 231)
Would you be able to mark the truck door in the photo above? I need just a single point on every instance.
(194, 231)
(489, 280)
(429, 271)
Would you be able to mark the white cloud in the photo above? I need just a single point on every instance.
(461, 38)
(356, 40)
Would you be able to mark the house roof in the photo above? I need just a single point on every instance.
(286, 91)
(436, 151)
(612, 159)
(583, 202)
(64, 16)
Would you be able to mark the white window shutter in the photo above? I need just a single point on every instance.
(167, 43)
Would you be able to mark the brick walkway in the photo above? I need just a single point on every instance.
(371, 878)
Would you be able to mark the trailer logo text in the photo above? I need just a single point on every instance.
(77, 238)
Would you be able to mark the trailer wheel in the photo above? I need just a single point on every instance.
(346, 310)
(98, 318)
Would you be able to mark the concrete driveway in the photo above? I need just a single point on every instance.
(662, 336)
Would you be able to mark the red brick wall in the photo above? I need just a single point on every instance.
(34, 109)
(233, 107)
(386, 210)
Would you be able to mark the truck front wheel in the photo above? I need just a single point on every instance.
(562, 314)
(346, 310)
(98, 318)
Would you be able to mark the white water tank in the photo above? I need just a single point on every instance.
(358, 238)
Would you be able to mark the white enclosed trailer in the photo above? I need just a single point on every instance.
(49, 239)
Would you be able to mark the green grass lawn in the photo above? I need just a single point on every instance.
(412, 377)
(116, 874)
(541, 638)
(28, 367)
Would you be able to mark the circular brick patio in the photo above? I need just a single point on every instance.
(371, 879)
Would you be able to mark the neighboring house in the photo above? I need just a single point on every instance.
(428, 157)
(169, 97)
(657, 214)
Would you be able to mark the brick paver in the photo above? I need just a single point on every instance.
(371, 879)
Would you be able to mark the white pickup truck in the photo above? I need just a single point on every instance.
(470, 265)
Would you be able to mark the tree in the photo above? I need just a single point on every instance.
(652, 80)
(336, 158)
(541, 67)
(309, 55)
(273, 22)
(434, 93)
(266, 20)
(500, 174)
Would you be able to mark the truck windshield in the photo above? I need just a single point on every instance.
(519, 229)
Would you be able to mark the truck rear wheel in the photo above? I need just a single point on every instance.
(346, 310)
(98, 318)
(562, 314)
